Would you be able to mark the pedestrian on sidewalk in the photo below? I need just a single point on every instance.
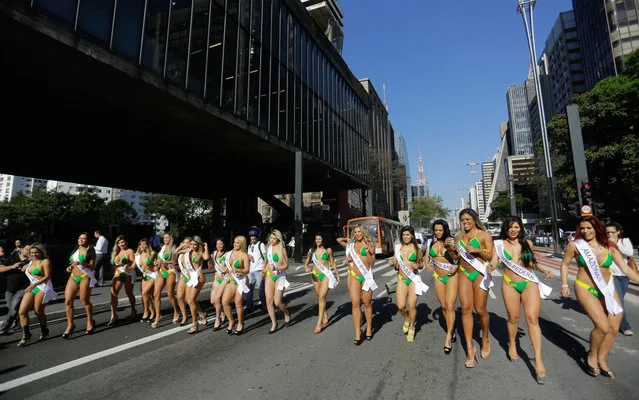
(615, 234)
(16, 283)
(256, 253)
(101, 257)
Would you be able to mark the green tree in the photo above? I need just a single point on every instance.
(185, 214)
(500, 207)
(118, 212)
(427, 208)
(608, 116)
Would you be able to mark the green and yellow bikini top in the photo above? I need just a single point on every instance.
(508, 256)
(433, 253)
(606, 264)
(473, 242)
(221, 260)
(36, 270)
(276, 257)
(237, 264)
(123, 260)
(149, 261)
(194, 259)
(363, 252)
(526, 256)
(412, 257)
(323, 257)
(166, 256)
(82, 257)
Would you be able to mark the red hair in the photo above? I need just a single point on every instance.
(600, 231)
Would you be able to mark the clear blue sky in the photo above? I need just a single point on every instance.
(446, 66)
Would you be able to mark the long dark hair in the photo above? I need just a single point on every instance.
(314, 248)
(600, 231)
(446, 235)
(418, 251)
(527, 255)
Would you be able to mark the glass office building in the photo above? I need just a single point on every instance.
(263, 62)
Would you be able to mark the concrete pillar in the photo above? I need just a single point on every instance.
(298, 211)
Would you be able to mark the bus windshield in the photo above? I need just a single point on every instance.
(369, 223)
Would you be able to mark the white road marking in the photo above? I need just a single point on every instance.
(390, 273)
(491, 294)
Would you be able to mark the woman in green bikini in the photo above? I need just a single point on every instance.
(38, 293)
(442, 261)
(193, 260)
(518, 290)
(275, 278)
(475, 247)
(594, 288)
(360, 254)
(238, 266)
(183, 278)
(81, 263)
(144, 260)
(220, 280)
(166, 277)
(123, 258)
(322, 277)
(409, 284)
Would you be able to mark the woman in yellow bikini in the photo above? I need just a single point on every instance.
(442, 261)
(238, 266)
(144, 260)
(38, 293)
(594, 288)
(520, 286)
(81, 264)
(123, 258)
(220, 280)
(166, 277)
(475, 247)
(275, 278)
(322, 277)
(193, 259)
(408, 261)
(360, 257)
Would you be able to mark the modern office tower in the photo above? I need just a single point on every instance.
(521, 169)
(608, 31)
(561, 61)
(499, 181)
(405, 198)
(481, 203)
(328, 15)
(520, 137)
(487, 172)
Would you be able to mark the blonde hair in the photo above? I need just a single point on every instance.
(242, 240)
(367, 236)
(280, 239)
(148, 247)
(116, 248)
(40, 247)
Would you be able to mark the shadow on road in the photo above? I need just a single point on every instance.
(383, 312)
(569, 304)
(565, 340)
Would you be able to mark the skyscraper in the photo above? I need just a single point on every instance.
(328, 15)
(520, 136)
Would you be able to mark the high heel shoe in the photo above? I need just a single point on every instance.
(473, 360)
(194, 329)
(447, 349)
(44, 333)
(592, 371)
(113, 321)
(67, 335)
(272, 330)
(92, 330)
(410, 338)
(317, 330)
(405, 327)
(239, 331)
(26, 337)
(453, 339)
(607, 373)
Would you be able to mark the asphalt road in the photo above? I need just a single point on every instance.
(134, 361)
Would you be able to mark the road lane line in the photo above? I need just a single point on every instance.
(105, 353)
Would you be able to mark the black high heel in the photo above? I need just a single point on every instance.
(447, 350)
(270, 331)
(92, 330)
(26, 337)
(67, 335)
(44, 332)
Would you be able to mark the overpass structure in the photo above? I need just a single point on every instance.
(201, 98)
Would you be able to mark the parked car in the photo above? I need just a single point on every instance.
(540, 239)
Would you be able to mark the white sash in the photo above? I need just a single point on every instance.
(420, 287)
(193, 274)
(161, 255)
(46, 288)
(219, 268)
(487, 282)
(281, 282)
(150, 274)
(85, 270)
(241, 282)
(450, 268)
(607, 289)
(544, 290)
(332, 282)
(369, 282)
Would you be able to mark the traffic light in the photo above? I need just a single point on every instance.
(586, 193)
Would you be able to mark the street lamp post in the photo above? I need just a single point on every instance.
(526, 8)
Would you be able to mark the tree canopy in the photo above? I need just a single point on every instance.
(427, 208)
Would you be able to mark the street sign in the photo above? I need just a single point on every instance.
(586, 210)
